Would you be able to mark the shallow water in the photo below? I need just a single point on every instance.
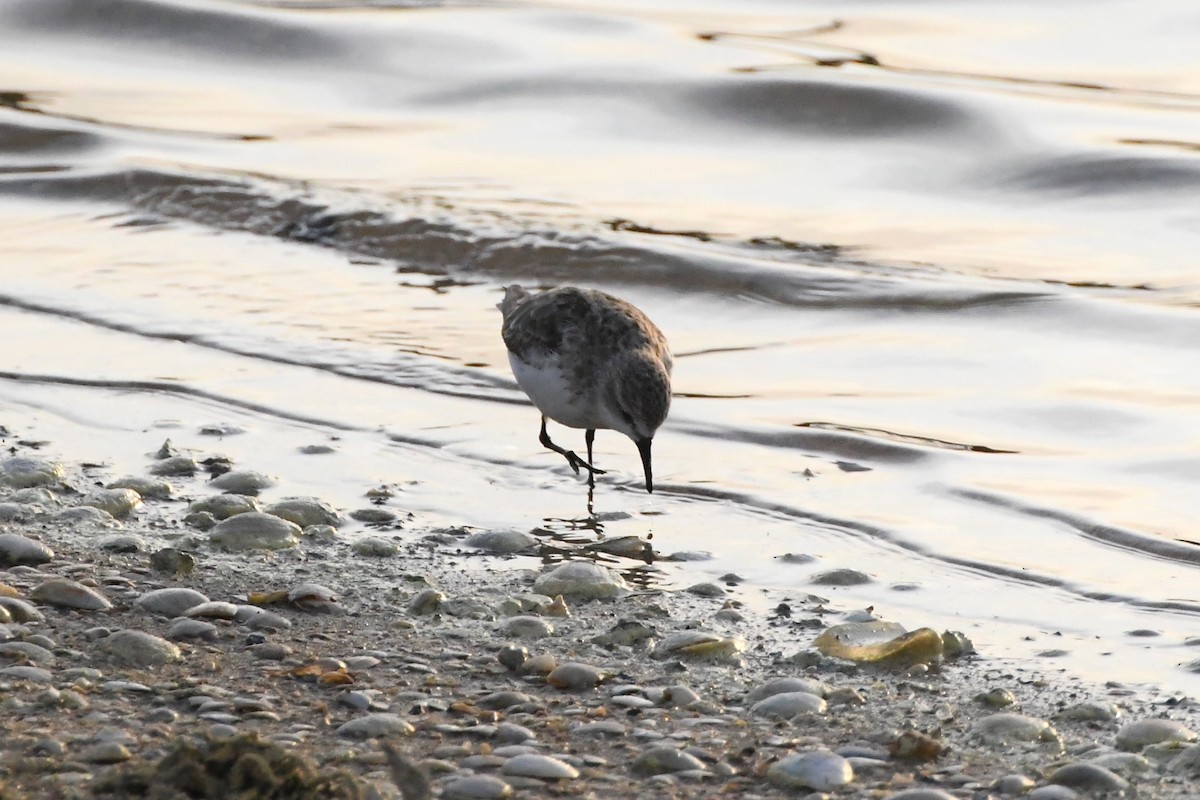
(928, 270)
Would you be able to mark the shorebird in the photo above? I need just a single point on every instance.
(589, 360)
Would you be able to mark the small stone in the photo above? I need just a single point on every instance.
(581, 580)
(376, 726)
(662, 759)
(86, 515)
(477, 787)
(502, 541)
(574, 676)
(255, 530)
(314, 597)
(700, 646)
(145, 487)
(21, 472)
(1013, 785)
(789, 704)
(193, 629)
(375, 547)
(121, 543)
(1009, 727)
(117, 502)
(1052, 792)
(28, 674)
(426, 601)
(1187, 763)
(528, 627)
(820, 770)
(706, 589)
(69, 594)
(373, 515)
(16, 549)
(512, 656)
(172, 561)
(243, 481)
(841, 577)
(28, 651)
(223, 506)
(261, 619)
(139, 649)
(306, 511)
(1141, 733)
(533, 765)
(1089, 779)
(20, 611)
(170, 602)
(174, 466)
(781, 685)
(921, 794)
(105, 753)
(1089, 712)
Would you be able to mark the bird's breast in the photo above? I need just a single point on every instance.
(555, 396)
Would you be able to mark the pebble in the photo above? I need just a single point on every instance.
(106, 753)
(375, 547)
(224, 506)
(607, 727)
(477, 787)
(789, 704)
(574, 676)
(782, 685)
(69, 594)
(242, 481)
(375, 726)
(117, 502)
(174, 466)
(193, 629)
(1013, 785)
(139, 649)
(1008, 727)
(19, 610)
(498, 701)
(583, 580)
(1187, 763)
(255, 530)
(539, 766)
(314, 597)
(706, 589)
(212, 609)
(1123, 763)
(261, 618)
(1089, 779)
(921, 794)
(86, 515)
(16, 549)
(528, 627)
(1089, 712)
(502, 542)
(21, 472)
(35, 654)
(1052, 792)
(661, 759)
(145, 487)
(679, 696)
(121, 543)
(172, 561)
(305, 511)
(699, 645)
(512, 656)
(18, 512)
(30, 674)
(170, 602)
(841, 577)
(426, 601)
(373, 515)
(1136, 735)
(820, 770)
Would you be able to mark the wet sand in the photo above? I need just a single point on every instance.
(410, 648)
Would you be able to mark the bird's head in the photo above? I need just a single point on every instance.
(638, 398)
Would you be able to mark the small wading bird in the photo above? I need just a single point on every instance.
(589, 360)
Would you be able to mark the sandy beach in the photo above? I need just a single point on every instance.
(325, 645)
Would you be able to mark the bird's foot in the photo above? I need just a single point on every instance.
(576, 462)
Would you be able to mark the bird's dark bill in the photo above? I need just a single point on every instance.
(643, 446)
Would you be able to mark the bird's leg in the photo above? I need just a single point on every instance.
(574, 460)
(589, 436)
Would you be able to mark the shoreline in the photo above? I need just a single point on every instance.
(413, 653)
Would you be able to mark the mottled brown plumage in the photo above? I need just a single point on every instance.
(589, 360)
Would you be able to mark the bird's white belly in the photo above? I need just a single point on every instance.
(547, 387)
